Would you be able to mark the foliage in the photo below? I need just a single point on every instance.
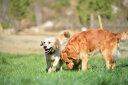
(20, 8)
(17, 69)
(61, 4)
(87, 7)
(5, 26)
(56, 10)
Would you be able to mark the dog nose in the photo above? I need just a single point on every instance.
(45, 47)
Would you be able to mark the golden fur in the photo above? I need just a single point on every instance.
(52, 47)
(82, 45)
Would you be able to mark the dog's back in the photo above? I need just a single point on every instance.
(64, 37)
(95, 38)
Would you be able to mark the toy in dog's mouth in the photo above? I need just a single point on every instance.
(48, 50)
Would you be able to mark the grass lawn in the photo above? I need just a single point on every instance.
(16, 69)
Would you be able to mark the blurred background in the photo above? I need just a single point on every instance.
(23, 23)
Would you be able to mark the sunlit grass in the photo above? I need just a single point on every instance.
(17, 69)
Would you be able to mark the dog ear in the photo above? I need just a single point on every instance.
(57, 44)
(41, 43)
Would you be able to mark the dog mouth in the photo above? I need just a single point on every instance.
(48, 50)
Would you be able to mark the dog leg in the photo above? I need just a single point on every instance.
(110, 52)
(60, 65)
(107, 53)
(108, 62)
(55, 64)
(85, 63)
(113, 64)
(84, 58)
(49, 66)
(49, 70)
(116, 55)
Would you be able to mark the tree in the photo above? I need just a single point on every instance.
(20, 8)
(87, 7)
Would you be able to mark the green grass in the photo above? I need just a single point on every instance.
(17, 69)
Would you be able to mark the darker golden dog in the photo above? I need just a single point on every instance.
(82, 45)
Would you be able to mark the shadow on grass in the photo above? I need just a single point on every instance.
(119, 66)
(66, 69)
(93, 67)
(124, 66)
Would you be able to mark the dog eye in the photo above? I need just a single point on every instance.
(49, 42)
(44, 42)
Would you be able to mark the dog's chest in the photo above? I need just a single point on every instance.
(50, 57)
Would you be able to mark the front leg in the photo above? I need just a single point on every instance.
(85, 60)
(49, 66)
(55, 63)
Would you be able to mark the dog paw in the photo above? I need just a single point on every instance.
(49, 70)
(61, 69)
(53, 69)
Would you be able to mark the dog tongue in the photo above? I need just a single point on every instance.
(47, 51)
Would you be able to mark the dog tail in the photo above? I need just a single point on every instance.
(67, 34)
(122, 36)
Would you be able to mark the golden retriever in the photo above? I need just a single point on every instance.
(52, 47)
(82, 45)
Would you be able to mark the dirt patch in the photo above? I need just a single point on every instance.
(22, 44)
(26, 44)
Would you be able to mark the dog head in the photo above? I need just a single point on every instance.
(65, 58)
(50, 44)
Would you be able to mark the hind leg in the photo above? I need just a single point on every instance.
(108, 60)
(60, 65)
(116, 55)
(113, 64)
(109, 51)
(107, 54)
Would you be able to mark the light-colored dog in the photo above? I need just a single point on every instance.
(52, 47)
